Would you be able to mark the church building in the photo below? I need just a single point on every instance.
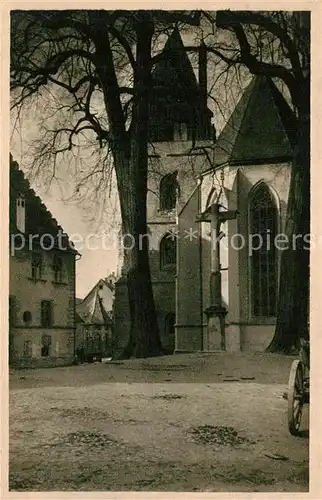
(210, 203)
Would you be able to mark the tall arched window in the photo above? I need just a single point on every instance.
(168, 252)
(263, 228)
(169, 189)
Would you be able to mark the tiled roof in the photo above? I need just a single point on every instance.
(262, 127)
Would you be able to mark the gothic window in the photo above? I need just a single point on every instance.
(169, 189)
(168, 252)
(58, 269)
(263, 227)
(46, 313)
(36, 265)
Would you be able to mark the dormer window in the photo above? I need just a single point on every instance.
(21, 213)
(180, 132)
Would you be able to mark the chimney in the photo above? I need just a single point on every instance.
(21, 213)
(203, 89)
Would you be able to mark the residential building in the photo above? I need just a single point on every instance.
(42, 281)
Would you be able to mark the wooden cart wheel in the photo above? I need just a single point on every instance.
(295, 396)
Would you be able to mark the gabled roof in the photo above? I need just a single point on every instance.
(101, 282)
(91, 310)
(262, 127)
(39, 221)
(93, 313)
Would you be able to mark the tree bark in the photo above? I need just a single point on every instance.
(131, 164)
(293, 304)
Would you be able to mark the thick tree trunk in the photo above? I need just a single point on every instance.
(293, 304)
(131, 162)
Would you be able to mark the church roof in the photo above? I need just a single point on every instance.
(261, 128)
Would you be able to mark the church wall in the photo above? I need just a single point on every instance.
(242, 331)
(188, 283)
(256, 337)
(256, 334)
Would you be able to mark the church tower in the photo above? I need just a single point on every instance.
(181, 147)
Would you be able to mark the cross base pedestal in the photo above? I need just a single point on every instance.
(216, 339)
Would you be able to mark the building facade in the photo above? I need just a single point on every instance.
(42, 281)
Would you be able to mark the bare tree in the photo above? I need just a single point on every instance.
(96, 68)
(277, 44)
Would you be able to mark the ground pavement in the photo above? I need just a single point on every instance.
(213, 422)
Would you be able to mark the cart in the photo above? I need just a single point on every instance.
(298, 387)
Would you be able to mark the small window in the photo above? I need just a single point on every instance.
(58, 269)
(46, 344)
(45, 351)
(27, 349)
(26, 317)
(46, 313)
(36, 265)
(169, 191)
(167, 252)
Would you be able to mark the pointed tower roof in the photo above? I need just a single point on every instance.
(261, 128)
(174, 70)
